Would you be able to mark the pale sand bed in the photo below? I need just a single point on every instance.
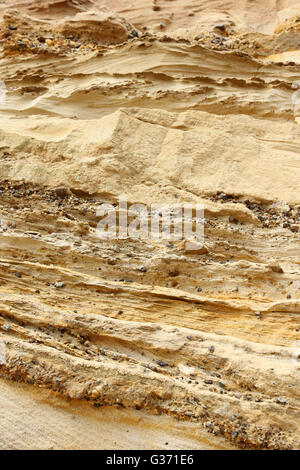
(37, 419)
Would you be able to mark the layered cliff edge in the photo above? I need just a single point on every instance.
(141, 342)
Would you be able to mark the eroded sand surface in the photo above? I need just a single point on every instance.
(54, 423)
(143, 342)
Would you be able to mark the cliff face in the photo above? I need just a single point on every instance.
(166, 104)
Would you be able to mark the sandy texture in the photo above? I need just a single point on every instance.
(145, 342)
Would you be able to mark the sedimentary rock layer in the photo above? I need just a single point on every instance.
(142, 334)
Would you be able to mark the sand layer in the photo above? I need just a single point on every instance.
(143, 342)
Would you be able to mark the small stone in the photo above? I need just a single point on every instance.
(143, 269)
(189, 337)
(234, 434)
(62, 192)
(289, 296)
(276, 268)
(211, 349)
(281, 207)
(6, 327)
(19, 275)
(59, 285)
(220, 26)
(221, 384)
